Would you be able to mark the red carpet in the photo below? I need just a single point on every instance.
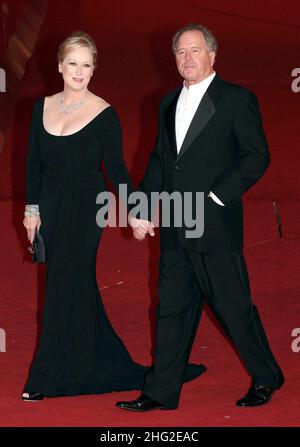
(124, 282)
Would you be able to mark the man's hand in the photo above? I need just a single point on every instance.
(141, 228)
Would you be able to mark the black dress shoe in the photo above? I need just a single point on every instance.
(257, 395)
(32, 397)
(143, 403)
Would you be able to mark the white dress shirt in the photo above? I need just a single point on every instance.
(187, 104)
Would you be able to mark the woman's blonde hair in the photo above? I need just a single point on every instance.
(77, 39)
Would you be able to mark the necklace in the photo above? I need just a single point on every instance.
(69, 108)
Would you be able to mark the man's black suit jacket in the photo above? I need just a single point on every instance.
(225, 151)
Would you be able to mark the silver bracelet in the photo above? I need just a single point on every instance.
(31, 210)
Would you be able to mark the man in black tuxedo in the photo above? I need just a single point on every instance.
(210, 140)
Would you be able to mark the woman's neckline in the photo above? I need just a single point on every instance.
(74, 133)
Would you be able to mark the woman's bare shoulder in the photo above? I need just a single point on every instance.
(49, 100)
(98, 102)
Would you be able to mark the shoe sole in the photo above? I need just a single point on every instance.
(144, 411)
(28, 400)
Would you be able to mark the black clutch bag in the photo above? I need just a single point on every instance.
(38, 249)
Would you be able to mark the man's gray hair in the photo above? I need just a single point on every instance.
(210, 40)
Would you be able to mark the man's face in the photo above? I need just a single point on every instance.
(194, 61)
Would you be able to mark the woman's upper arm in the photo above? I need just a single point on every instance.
(33, 159)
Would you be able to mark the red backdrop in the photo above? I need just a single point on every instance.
(259, 44)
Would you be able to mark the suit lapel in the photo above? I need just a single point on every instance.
(203, 115)
(170, 122)
(206, 110)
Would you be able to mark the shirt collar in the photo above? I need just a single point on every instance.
(197, 89)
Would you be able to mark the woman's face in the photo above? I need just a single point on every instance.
(77, 68)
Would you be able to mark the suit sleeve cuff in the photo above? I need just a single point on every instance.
(215, 198)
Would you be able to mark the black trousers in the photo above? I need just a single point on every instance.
(186, 280)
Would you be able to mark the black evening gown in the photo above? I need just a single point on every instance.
(79, 351)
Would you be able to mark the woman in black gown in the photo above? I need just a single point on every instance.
(71, 133)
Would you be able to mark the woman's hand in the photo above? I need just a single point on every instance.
(31, 223)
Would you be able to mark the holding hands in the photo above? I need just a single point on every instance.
(141, 227)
